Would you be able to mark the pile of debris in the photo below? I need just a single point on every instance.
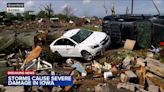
(136, 72)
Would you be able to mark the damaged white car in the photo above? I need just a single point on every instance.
(81, 43)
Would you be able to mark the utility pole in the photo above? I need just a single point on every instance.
(113, 8)
(156, 7)
(127, 10)
(132, 7)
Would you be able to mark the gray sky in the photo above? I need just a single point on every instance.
(91, 7)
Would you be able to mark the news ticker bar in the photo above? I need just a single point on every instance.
(29, 78)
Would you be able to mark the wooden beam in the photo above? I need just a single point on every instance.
(142, 76)
(34, 54)
(155, 66)
(156, 80)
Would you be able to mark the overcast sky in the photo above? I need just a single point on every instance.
(91, 7)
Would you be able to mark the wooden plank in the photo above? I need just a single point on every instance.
(153, 88)
(130, 74)
(141, 61)
(128, 86)
(122, 71)
(34, 54)
(117, 72)
(129, 44)
(155, 66)
(155, 79)
(124, 77)
(161, 89)
(142, 76)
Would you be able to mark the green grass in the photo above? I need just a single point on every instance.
(123, 54)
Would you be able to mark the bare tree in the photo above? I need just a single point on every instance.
(105, 8)
(48, 10)
(68, 10)
(113, 9)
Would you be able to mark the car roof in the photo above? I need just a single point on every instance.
(70, 33)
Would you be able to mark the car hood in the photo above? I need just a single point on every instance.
(94, 38)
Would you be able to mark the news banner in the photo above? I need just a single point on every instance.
(29, 78)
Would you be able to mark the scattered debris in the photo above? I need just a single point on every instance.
(154, 49)
(80, 68)
(153, 88)
(126, 61)
(141, 61)
(14, 89)
(124, 77)
(2, 88)
(149, 54)
(107, 74)
(130, 74)
(129, 69)
(107, 66)
(34, 54)
(155, 79)
(155, 66)
(128, 86)
(129, 44)
(102, 87)
(56, 89)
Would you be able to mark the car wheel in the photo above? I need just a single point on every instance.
(86, 55)
(57, 54)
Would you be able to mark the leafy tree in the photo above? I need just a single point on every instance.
(19, 17)
(48, 10)
(27, 16)
(41, 14)
(10, 16)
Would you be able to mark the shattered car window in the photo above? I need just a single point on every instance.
(81, 35)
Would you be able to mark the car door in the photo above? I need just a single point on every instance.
(60, 47)
(72, 49)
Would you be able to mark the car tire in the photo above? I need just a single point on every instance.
(86, 55)
(58, 54)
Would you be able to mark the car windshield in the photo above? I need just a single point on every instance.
(81, 35)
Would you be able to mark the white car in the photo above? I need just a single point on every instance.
(81, 43)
